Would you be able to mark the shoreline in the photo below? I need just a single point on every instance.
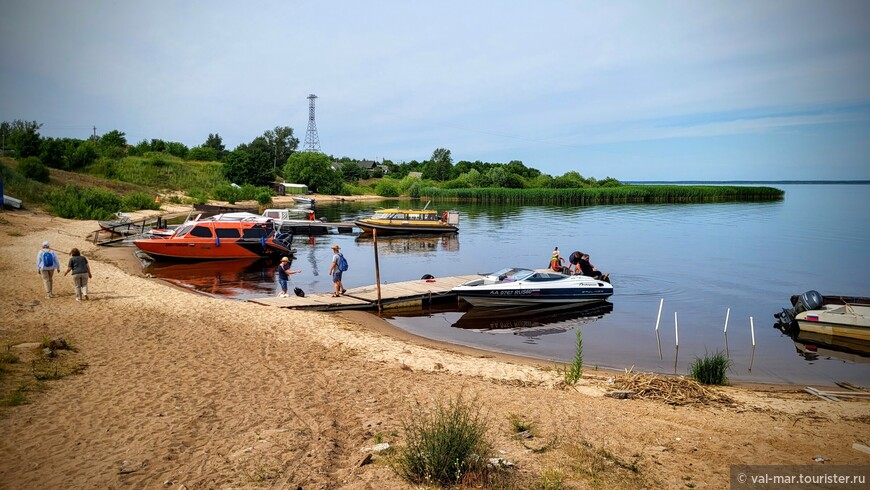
(125, 259)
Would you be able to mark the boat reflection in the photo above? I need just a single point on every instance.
(532, 321)
(218, 277)
(414, 244)
(817, 346)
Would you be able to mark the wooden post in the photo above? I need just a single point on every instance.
(676, 342)
(727, 314)
(377, 268)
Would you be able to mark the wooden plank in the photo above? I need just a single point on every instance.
(365, 297)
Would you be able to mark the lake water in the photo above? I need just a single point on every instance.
(701, 259)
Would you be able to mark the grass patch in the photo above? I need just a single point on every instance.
(602, 468)
(15, 397)
(446, 446)
(710, 370)
(520, 424)
(552, 479)
(574, 371)
(609, 195)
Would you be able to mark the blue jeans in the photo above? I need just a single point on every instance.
(283, 284)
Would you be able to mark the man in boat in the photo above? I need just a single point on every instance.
(587, 269)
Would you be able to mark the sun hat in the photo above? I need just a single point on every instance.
(44, 244)
(335, 247)
(285, 259)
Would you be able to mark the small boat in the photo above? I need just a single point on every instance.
(841, 316)
(220, 237)
(304, 200)
(122, 225)
(409, 221)
(518, 286)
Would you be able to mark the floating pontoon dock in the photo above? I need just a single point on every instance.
(393, 295)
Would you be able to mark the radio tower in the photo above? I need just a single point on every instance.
(312, 141)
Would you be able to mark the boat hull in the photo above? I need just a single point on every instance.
(208, 249)
(399, 228)
(845, 320)
(519, 287)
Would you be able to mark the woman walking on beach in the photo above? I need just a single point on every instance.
(81, 272)
(46, 264)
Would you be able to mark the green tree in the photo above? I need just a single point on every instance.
(52, 152)
(439, 166)
(351, 172)
(282, 142)
(177, 149)
(202, 154)
(250, 164)
(113, 144)
(214, 142)
(32, 168)
(314, 170)
(23, 137)
(81, 155)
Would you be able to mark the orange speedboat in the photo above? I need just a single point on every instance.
(217, 238)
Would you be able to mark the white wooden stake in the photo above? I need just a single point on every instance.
(676, 331)
(727, 314)
(659, 317)
(752, 329)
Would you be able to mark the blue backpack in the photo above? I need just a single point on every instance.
(342, 263)
(48, 260)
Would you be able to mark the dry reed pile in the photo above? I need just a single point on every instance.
(671, 390)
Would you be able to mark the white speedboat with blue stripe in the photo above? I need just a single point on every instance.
(519, 286)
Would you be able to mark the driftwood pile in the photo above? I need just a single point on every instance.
(669, 389)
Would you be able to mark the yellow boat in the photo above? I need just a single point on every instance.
(409, 221)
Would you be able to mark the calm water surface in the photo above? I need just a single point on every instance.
(702, 259)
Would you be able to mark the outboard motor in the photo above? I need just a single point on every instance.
(810, 300)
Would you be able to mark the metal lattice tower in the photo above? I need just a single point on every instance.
(312, 141)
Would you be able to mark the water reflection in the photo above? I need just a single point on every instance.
(532, 320)
(217, 277)
(814, 346)
(413, 244)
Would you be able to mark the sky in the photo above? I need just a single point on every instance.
(636, 90)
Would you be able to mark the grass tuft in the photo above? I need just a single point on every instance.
(710, 370)
(574, 371)
(446, 446)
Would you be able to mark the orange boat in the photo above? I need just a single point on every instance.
(216, 238)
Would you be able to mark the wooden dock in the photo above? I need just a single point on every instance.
(393, 295)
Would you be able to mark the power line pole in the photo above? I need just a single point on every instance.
(95, 135)
(312, 141)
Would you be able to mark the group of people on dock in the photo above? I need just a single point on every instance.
(578, 263)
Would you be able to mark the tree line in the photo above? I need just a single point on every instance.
(275, 154)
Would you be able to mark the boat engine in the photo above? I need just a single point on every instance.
(810, 300)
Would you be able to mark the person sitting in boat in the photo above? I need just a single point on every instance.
(574, 262)
(587, 269)
(556, 261)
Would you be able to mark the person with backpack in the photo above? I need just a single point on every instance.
(336, 268)
(46, 264)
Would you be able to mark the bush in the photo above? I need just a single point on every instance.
(711, 369)
(83, 203)
(264, 198)
(444, 447)
(137, 201)
(32, 168)
(386, 189)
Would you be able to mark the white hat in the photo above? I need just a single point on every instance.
(44, 244)
(285, 259)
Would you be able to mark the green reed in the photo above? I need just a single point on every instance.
(609, 195)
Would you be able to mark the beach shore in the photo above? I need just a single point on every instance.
(173, 389)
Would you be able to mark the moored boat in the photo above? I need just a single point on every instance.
(409, 221)
(519, 286)
(220, 237)
(840, 316)
(304, 200)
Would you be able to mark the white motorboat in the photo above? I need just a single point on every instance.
(519, 286)
(829, 315)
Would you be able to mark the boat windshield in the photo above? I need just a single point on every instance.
(183, 231)
(512, 274)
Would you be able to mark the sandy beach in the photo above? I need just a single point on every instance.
(173, 389)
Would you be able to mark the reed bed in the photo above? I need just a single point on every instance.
(671, 390)
(609, 195)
